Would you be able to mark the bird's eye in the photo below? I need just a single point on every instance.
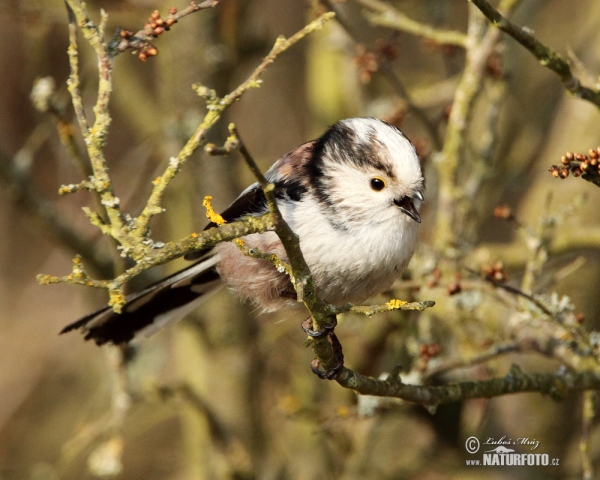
(377, 184)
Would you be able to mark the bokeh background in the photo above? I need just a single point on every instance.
(228, 393)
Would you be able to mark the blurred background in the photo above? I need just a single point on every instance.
(228, 393)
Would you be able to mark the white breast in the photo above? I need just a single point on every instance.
(353, 264)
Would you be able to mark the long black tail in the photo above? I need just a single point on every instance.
(160, 304)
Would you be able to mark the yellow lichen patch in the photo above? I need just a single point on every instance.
(395, 304)
(156, 181)
(210, 211)
(116, 300)
(47, 279)
(194, 235)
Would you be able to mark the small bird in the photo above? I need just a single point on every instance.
(352, 196)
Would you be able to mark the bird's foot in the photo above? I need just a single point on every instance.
(333, 372)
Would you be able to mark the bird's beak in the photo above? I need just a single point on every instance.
(407, 205)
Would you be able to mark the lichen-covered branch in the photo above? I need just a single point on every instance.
(162, 254)
(546, 56)
(26, 196)
(132, 233)
(216, 106)
(95, 136)
(557, 386)
(391, 306)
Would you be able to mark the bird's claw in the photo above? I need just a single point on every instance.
(321, 332)
(333, 372)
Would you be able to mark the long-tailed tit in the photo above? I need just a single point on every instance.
(352, 196)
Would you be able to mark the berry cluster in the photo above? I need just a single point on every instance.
(154, 27)
(578, 164)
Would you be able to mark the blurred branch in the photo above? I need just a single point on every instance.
(537, 243)
(451, 205)
(385, 66)
(456, 363)
(26, 196)
(563, 241)
(411, 106)
(383, 14)
(236, 456)
(45, 99)
(546, 56)
(106, 458)
(588, 413)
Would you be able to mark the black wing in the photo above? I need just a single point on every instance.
(287, 174)
(250, 202)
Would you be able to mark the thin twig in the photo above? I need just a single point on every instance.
(156, 26)
(216, 106)
(26, 196)
(454, 364)
(95, 136)
(546, 56)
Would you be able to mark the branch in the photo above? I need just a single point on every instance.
(26, 196)
(95, 136)
(141, 41)
(216, 107)
(383, 14)
(321, 313)
(163, 253)
(385, 67)
(452, 205)
(546, 56)
(132, 234)
(557, 386)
